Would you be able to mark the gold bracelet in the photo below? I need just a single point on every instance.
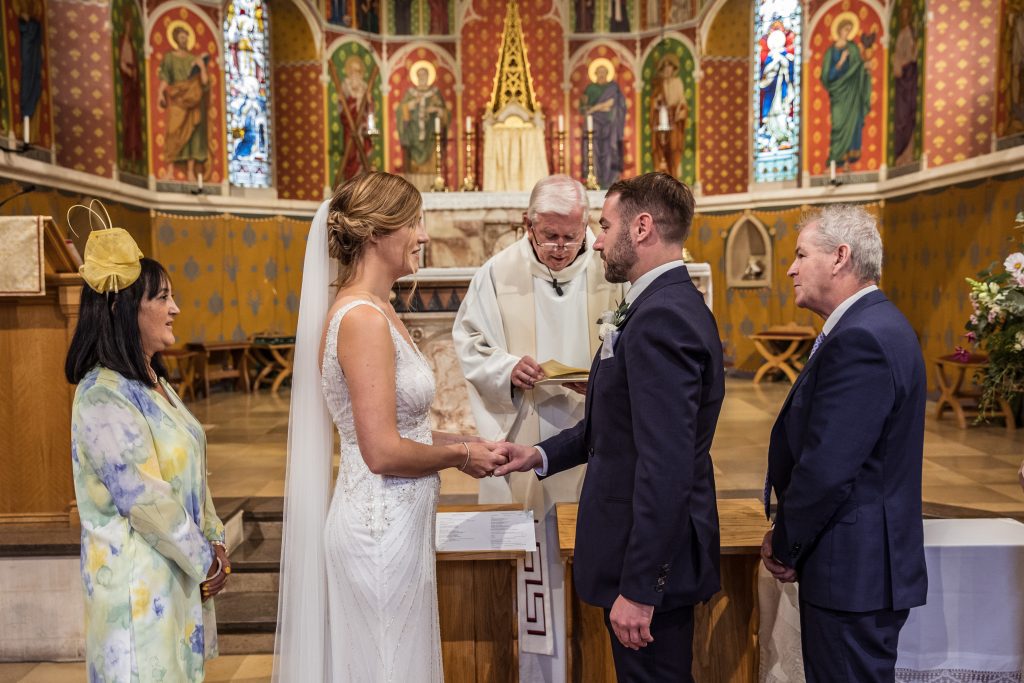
(465, 464)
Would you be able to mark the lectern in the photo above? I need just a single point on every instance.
(40, 290)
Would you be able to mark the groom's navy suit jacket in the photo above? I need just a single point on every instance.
(845, 461)
(648, 523)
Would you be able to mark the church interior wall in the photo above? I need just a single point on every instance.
(237, 263)
(960, 79)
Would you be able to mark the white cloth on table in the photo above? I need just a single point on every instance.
(970, 631)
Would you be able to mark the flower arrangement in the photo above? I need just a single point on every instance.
(997, 326)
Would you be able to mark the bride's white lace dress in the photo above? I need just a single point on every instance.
(379, 537)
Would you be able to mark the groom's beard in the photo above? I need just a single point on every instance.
(620, 258)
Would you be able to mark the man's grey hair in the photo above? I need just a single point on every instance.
(851, 225)
(560, 195)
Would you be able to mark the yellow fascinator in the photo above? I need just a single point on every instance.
(111, 255)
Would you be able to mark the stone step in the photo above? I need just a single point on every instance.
(245, 644)
(257, 555)
(246, 613)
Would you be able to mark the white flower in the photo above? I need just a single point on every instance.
(1014, 264)
(604, 329)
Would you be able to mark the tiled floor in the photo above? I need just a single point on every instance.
(972, 468)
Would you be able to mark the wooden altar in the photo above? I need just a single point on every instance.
(38, 315)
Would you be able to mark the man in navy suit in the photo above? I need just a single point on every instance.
(845, 459)
(647, 540)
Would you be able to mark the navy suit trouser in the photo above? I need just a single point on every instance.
(849, 647)
(669, 659)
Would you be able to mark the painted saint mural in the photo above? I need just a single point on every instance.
(668, 97)
(777, 25)
(845, 76)
(246, 78)
(906, 69)
(183, 93)
(1011, 70)
(129, 86)
(421, 106)
(354, 109)
(605, 106)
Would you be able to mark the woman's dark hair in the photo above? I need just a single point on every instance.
(108, 334)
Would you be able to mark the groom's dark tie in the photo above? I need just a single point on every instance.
(767, 496)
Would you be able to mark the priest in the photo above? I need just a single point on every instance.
(539, 299)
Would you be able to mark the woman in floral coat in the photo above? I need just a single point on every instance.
(152, 545)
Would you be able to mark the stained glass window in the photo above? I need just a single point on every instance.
(247, 79)
(777, 26)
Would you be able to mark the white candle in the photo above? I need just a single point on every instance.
(590, 123)
(26, 128)
(561, 123)
(469, 124)
(663, 118)
(832, 170)
(371, 124)
(199, 180)
(437, 125)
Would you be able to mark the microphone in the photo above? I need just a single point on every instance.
(558, 287)
(25, 189)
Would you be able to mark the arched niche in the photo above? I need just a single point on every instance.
(748, 254)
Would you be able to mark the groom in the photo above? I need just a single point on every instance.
(647, 541)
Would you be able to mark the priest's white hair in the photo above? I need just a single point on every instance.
(560, 195)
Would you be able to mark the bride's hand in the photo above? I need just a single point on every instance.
(484, 457)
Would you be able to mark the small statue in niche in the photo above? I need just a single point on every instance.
(754, 269)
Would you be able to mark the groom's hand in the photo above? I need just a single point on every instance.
(631, 622)
(520, 459)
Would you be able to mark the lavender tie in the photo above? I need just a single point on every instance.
(817, 343)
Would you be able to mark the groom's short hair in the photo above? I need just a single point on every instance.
(669, 201)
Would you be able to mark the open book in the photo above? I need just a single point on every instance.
(559, 373)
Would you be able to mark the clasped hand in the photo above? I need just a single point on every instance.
(779, 571)
(485, 457)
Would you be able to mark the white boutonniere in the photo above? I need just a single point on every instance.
(609, 321)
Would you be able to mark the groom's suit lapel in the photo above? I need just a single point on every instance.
(674, 276)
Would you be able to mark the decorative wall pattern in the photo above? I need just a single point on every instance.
(29, 83)
(960, 101)
(82, 86)
(844, 115)
(233, 276)
(724, 125)
(129, 66)
(186, 98)
(934, 241)
(668, 83)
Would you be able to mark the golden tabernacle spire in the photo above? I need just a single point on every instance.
(512, 80)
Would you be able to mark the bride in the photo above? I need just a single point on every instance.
(358, 596)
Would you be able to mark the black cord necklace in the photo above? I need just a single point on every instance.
(554, 281)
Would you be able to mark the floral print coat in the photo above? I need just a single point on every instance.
(139, 464)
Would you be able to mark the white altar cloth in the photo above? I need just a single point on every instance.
(970, 630)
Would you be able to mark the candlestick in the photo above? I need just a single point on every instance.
(591, 181)
(199, 181)
(561, 149)
(561, 123)
(832, 170)
(371, 124)
(469, 182)
(26, 128)
(590, 123)
(439, 182)
(663, 118)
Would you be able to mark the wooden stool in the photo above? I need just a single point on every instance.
(181, 365)
(276, 360)
(781, 347)
(222, 360)
(963, 401)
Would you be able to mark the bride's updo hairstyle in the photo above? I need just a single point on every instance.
(365, 206)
